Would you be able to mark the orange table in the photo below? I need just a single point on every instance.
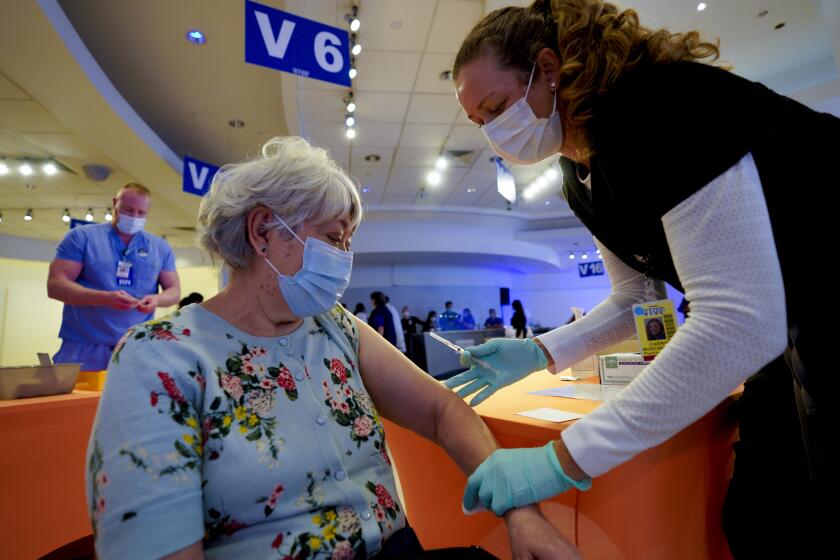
(665, 503)
(42, 457)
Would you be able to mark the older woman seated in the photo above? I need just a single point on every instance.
(249, 426)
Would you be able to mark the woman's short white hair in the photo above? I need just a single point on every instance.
(298, 181)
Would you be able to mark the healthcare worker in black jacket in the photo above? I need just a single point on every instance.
(687, 173)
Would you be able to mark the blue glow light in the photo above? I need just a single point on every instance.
(196, 36)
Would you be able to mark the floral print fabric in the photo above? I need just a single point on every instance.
(260, 447)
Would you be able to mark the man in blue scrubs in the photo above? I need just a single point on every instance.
(108, 275)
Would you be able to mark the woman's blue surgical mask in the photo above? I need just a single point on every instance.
(320, 282)
(519, 136)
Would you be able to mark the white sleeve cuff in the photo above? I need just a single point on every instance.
(565, 347)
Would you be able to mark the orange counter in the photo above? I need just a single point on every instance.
(665, 503)
(42, 472)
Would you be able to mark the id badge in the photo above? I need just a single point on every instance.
(125, 274)
(656, 324)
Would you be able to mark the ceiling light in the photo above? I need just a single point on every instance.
(433, 178)
(349, 121)
(351, 107)
(25, 170)
(584, 256)
(350, 133)
(471, 190)
(49, 168)
(442, 162)
(357, 48)
(366, 189)
(547, 202)
(3, 168)
(89, 215)
(353, 73)
(1, 217)
(108, 215)
(528, 193)
(195, 36)
(28, 216)
(551, 173)
(66, 217)
(372, 158)
(423, 195)
(236, 123)
(541, 182)
(571, 256)
(353, 19)
(701, 6)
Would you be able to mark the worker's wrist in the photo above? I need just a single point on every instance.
(567, 462)
(545, 351)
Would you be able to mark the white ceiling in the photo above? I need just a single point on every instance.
(406, 113)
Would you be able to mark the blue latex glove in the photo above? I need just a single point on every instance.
(512, 359)
(511, 478)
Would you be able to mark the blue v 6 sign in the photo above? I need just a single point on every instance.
(290, 43)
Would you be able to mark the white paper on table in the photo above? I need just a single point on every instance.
(587, 392)
(551, 414)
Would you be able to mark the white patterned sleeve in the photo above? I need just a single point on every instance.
(722, 244)
(609, 322)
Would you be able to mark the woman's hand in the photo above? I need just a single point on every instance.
(532, 537)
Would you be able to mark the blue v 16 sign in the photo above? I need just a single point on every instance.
(290, 43)
(594, 268)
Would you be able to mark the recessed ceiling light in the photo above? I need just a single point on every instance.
(701, 6)
(25, 170)
(350, 120)
(547, 202)
(763, 13)
(353, 73)
(471, 190)
(372, 158)
(89, 215)
(195, 36)
(442, 162)
(28, 216)
(49, 168)
(66, 217)
(357, 49)
(433, 178)
(779, 25)
(396, 24)
(350, 133)
(366, 189)
(3, 168)
(108, 215)
(236, 123)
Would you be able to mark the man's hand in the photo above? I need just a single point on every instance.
(121, 300)
(532, 537)
(148, 304)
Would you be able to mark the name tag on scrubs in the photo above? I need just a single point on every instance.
(125, 273)
(656, 324)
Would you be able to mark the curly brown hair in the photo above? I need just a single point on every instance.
(594, 40)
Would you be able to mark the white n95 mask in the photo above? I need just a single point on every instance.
(519, 136)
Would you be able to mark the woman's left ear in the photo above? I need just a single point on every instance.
(258, 219)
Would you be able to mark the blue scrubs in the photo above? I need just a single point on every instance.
(90, 332)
